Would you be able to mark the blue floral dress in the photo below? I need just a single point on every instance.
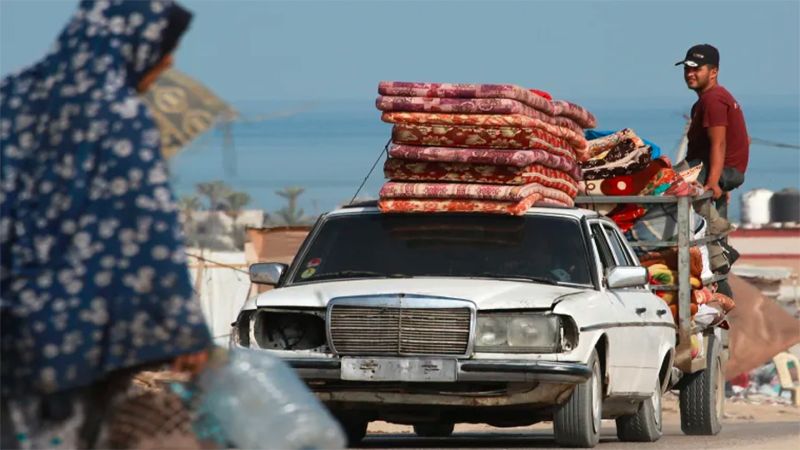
(93, 272)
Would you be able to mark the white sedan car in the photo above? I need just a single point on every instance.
(437, 319)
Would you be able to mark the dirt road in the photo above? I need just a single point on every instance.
(746, 426)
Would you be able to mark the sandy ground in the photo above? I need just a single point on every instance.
(747, 425)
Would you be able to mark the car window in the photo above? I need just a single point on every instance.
(617, 247)
(601, 241)
(548, 248)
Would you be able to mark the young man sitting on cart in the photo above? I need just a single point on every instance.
(717, 135)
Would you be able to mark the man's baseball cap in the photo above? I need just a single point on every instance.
(699, 55)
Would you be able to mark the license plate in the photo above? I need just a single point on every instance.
(398, 369)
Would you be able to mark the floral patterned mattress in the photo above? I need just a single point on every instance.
(516, 158)
(470, 191)
(576, 140)
(406, 170)
(479, 137)
(470, 106)
(466, 90)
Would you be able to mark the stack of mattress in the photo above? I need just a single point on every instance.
(480, 147)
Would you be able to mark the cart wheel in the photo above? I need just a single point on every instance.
(577, 422)
(703, 395)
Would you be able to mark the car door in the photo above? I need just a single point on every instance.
(626, 345)
(648, 308)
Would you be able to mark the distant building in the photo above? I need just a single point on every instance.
(219, 230)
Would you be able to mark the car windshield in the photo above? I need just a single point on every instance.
(542, 249)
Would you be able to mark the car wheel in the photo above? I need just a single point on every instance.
(434, 429)
(354, 429)
(703, 395)
(645, 424)
(576, 423)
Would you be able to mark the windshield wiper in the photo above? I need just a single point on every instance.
(354, 274)
(518, 278)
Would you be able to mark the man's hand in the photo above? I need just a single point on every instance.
(715, 189)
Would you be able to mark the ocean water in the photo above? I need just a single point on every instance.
(328, 148)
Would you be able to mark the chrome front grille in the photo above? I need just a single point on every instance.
(386, 329)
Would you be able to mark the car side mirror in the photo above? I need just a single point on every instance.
(267, 273)
(626, 276)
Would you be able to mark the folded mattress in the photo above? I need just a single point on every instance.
(467, 91)
(468, 191)
(406, 170)
(576, 140)
(479, 137)
(470, 106)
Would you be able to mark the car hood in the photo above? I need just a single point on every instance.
(485, 293)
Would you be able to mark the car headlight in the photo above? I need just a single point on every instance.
(522, 332)
(275, 329)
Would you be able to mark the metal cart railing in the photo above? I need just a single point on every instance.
(683, 359)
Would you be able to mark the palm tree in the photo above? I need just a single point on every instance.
(216, 192)
(290, 214)
(236, 201)
(189, 203)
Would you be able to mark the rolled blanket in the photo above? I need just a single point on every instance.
(467, 90)
(625, 150)
(445, 206)
(516, 158)
(661, 181)
(467, 191)
(576, 140)
(726, 302)
(701, 296)
(629, 165)
(599, 145)
(579, 114)
(477, 137)
(669, 257)
(406, 170)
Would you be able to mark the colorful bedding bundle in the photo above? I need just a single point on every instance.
(621, 163)
(707, 308)
(620, 153)
(480, 147)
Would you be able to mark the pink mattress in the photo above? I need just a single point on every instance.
(467, 91)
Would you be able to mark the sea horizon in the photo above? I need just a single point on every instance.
(329, 146)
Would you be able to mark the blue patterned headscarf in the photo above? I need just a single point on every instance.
(93, 272)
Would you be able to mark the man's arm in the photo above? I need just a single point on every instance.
(716, 159)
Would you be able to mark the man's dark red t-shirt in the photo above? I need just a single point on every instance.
(717, 107)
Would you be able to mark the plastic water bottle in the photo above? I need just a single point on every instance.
(258, 402)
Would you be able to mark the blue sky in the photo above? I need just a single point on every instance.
(304, 50)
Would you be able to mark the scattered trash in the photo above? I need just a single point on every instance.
(760, 386)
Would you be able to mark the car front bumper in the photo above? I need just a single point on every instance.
(464, 370)
(409, 382)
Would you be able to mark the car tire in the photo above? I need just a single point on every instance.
(434, 429)
(576, 423)
(645, 425)
(354, 429)
(702, 396)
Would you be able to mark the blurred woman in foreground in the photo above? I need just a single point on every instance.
(94, 278)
